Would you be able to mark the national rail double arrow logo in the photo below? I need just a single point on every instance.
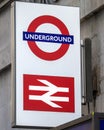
(47, 97)
(48, 93)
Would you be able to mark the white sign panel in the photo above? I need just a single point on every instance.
(48, 75)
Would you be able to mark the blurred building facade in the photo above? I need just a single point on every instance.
(92, 26)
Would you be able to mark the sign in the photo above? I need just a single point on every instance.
(52, 93)
(45, 37)
(101, 124)
(47, 64)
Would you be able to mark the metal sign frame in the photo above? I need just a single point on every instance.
(93, 119)
(14, 63)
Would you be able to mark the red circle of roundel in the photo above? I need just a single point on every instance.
(36, 50)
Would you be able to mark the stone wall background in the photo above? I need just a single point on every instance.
(92, 26)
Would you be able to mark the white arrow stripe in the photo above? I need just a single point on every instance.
(32, 97)
(44, 88)
(52, 98)
(47, 101)
(52, 86)
(59, 99)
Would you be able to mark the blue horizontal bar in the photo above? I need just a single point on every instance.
(48, 37)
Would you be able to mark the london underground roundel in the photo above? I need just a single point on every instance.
(32, 44)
